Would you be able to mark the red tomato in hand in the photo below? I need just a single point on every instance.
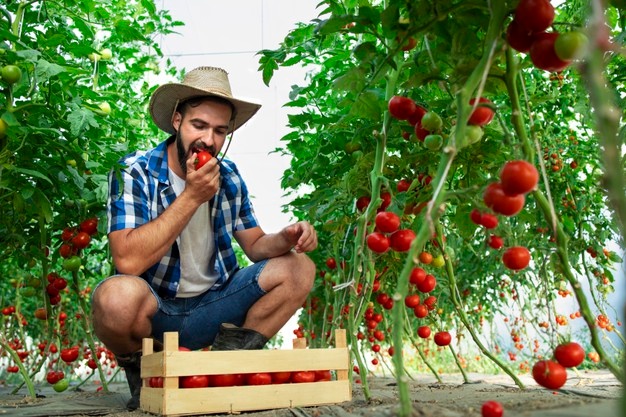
(401, 240)
(401, 107)
(387, 222)
(534, 15)
(507, 205)
(569, 354)
(202, 158)
(481, 116)
(194, 381)
(492, 409)
(549, 374)
(258, 378)
(516, 258)
(518, 177)
(303, 376)
(442, 338)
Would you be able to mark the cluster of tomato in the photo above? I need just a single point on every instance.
(74, 240)
(552, 374)
(549, 51)
(507, 197)
(17, 346)
(56, 284)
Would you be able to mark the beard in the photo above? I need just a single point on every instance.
(183, 154)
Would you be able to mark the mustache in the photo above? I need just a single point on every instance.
(197, 147)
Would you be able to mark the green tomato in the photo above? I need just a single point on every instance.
(106, 54)
(11, 74)
(570, 45)
(473, 134)
(433, 142)
(105, 108)
(28, 291)
(432, 122)
(438, 261)
(61, 385)
(352, 146)
(3, 129)
(72, 263)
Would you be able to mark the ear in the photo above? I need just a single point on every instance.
(177, 119)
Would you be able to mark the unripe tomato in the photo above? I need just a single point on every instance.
(105, 108)
(3, 129)
(11, 74)
(61, 385)
(433, 142)
(432, 121)
(570, 45)
(106, 54)
(72, 264)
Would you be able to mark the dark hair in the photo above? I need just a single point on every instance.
(196, 101)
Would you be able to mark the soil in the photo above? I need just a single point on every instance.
(593, 393)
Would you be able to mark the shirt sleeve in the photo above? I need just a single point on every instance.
(126, 206)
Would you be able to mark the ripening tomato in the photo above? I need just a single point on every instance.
(194, 381)
(377, 242)
(516, 258)
(442, 338)
(519, 38)
(387, 222)
(569, 354)
(258, 378)
(534, 15)
(281, 377)
(303, 376)
(507, 205)
(89, 226)
(202, 158)
(81, 240)
(543, 54)
(492, 409)
(423, 332)
(549, 374)
(401, 240)
(481, 116)
(401, 107)
(518, 177)
(425, 257)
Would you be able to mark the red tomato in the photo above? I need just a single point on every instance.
(67, 234)
(155, 382)
(495, 242)
(259, 378)
(481, 116)
(89, 226)
(303, 376)
(492, 409)
(534, 15)
(324, 375)
(362, 202)
(66, 250)
(442, 338)
(387, 222)
(417, 276)
(476, 217)
(81, 240)
(194, 381)
(518, 177)
(377, 242)
(430, 302)
(69, 355)
(420, 311)
(400, 240)
(223, 380)
(331, 263)
(423, 332)
(489, 221)
(516, 258)
(403, 185)
(495, 198)
(420, 132)
(417, 115)
(428, 284)
(411, 300)
(52, 377)
(569, 354)
(519, 38)
(401, 107)
(281, 377)
(202, 158)
(386, 197)
(543, 54)
(549, 374)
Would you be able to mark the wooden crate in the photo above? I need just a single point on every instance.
(171, 364)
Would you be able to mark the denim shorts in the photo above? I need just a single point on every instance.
(197, 319)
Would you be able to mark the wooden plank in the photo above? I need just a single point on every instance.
(232, 362)
(247, 398)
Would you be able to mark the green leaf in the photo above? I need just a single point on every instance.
(32, 173)
(45, 70)
(334, 24)
(80, 120)
(43, 204)
(367, 105)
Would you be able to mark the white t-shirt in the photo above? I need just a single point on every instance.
(196, 247)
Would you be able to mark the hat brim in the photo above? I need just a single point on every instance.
(165, 99)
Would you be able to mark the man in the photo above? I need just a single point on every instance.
(170, 231)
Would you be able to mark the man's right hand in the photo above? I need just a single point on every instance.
(202, 184)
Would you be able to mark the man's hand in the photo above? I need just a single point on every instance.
(202, 184)
(301, 236)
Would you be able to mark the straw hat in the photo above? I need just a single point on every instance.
(202, 81)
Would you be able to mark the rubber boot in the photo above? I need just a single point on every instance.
(231, 337)
(132, 368)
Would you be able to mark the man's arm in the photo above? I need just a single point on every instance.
(134, 250)
(258, 245)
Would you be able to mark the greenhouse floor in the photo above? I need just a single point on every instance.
(588, 394)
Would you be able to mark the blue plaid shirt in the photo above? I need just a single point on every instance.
(140, 191)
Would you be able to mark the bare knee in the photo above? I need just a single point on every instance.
(302, 275)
